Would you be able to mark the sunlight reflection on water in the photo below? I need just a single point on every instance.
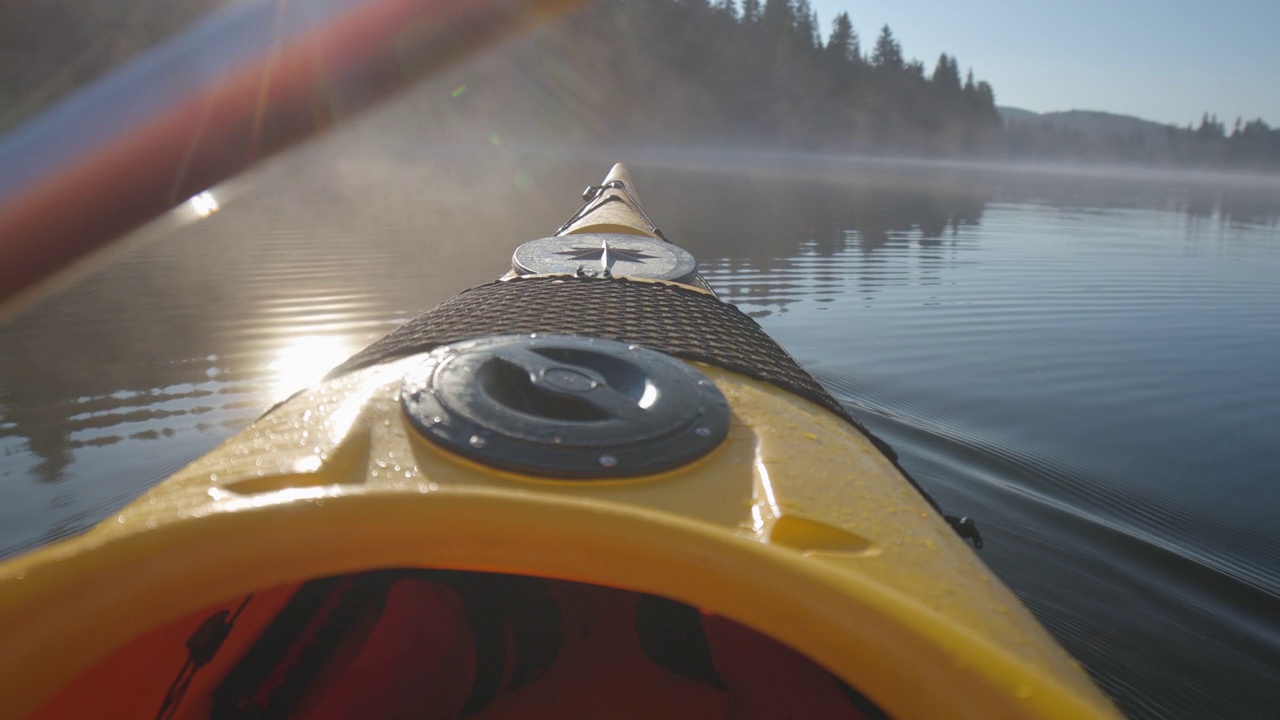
(303, 361)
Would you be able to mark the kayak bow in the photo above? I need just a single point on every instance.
(590, 448)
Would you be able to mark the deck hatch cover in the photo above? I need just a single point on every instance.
(565, 406)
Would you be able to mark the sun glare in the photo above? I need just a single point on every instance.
(203, 204)
(303, 362)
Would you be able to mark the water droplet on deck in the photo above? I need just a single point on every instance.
(608, 461)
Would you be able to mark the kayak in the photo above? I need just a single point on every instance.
(588, 488)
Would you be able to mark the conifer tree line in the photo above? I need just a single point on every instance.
(763, 73)
(1251, 145)
(767, 74)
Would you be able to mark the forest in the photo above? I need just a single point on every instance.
(1249, 145)
(761, 75)
(741, 74)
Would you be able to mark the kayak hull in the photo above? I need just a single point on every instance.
(798, 526)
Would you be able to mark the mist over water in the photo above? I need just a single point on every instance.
(1081, 361)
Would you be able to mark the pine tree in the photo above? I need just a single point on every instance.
(843, 42)
(776, 17)
(887, 53)
(806, 24)
(946, 76)
(1210, 129)
(986, 99)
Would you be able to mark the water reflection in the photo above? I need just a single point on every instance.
(303, 361)
(768, 239)
(724, 214)
(201, 325)
(1230, 200)
(1256, 207)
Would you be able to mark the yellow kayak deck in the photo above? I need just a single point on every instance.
(795, 525)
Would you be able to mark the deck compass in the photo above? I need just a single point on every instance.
(605, 254)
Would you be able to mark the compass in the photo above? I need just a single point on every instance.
(605, 255)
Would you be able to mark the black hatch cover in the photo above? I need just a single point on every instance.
(564, 406)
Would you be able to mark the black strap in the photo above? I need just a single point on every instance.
(672, 637)
(203, 644)
(283, 662)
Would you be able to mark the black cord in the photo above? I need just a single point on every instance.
(593, 193)
(203, 644)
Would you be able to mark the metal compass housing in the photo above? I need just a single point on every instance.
(606, 255)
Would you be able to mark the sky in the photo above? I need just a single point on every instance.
(1169, 61)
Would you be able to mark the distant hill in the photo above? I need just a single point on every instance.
(1091, 136)
(1090, 123)
(1017, 114)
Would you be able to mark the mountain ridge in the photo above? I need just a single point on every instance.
(1091, 123)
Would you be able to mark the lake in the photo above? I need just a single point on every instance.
(1086, 362)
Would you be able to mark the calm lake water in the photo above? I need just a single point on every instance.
(1088, 364)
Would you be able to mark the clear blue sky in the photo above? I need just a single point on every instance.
(1168, 61)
